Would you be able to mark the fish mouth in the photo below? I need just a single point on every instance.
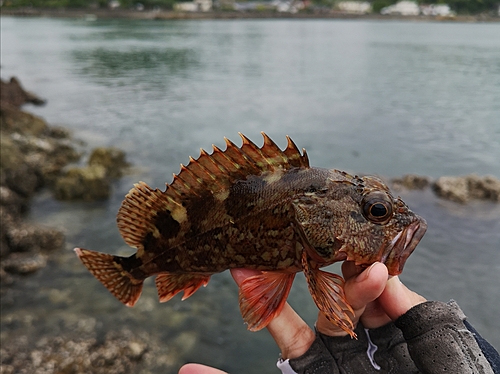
(402, 246)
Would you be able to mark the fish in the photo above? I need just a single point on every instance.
(260, 208)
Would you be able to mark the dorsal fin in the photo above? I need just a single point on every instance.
(209, 174)
(217, 171)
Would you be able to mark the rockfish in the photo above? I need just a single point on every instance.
(257, 208)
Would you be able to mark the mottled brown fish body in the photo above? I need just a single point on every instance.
(258, 208)
(251, 226)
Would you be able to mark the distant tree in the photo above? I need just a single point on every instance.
(472, 6)
(165, 4)
(377, 5)
(459, 6)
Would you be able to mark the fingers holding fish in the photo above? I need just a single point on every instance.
(360, 289)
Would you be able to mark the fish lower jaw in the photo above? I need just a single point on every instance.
(401, 247)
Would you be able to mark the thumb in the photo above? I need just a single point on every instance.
(397, 299)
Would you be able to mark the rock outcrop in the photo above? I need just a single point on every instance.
(92, 182)
(462, 189)
(35, 155)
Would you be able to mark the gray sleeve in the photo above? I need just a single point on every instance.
(439, 341)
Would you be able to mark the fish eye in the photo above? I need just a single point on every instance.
(377, 209)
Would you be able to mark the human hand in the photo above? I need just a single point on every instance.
(199, 369)
(375, 300)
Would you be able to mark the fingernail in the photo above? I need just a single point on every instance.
(364, 275)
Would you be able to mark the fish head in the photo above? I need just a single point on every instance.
(359, 220)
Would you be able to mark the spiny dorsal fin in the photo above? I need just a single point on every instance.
(209, 174)
(217, 171)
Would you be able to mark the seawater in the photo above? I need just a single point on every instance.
(377, 97)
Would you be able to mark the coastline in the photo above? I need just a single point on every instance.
(93, 14)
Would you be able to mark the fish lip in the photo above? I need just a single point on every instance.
(403, 245)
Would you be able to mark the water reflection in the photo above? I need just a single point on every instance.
(102, 63)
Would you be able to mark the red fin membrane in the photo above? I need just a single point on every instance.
(169, 285)
(327, 291)
(111, 274)
(263, 296)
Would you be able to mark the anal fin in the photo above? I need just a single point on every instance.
(263, 296)
(169, 285)
(327, 291)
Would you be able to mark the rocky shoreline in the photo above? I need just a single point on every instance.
(35, 155)
(103, 13)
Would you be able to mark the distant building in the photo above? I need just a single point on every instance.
(356, 7)
(114, 4)
(288, 6)
(436, 10)
(194, 6)
(403, 8)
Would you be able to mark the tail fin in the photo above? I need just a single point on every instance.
(112, 275)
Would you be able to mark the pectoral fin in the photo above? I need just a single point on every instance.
(327, 291)
(263, 296)
(168, 285)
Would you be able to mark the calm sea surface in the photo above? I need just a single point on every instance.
(386, 98)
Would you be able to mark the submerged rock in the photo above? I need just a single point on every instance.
(86, 183)
(118, 352)
(112, 159)
(411, 182)
(465, 188)
(92, 182)
(24, 263)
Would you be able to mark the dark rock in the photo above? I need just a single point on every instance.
(13, 93)
(485, 188)
(5, 278)
(26, 237)
(464, 188)
(118, 352)
(24, 263)
(87, 183)
(92, 182)
(112, 159)
(23, 179)
(12, 202)
(57, 132)
(10, 154)
(13, 119)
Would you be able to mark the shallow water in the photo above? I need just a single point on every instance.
(386, 98)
